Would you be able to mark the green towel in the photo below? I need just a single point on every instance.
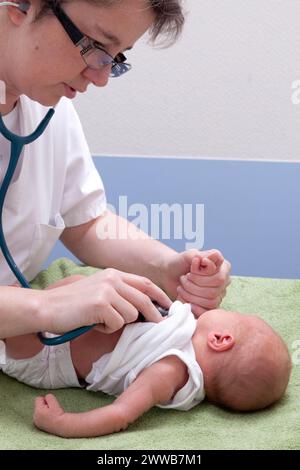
(203, 427)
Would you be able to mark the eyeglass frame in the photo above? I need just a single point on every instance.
(118, 64)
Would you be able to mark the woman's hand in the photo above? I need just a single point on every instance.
(110, 298)
(199, 278)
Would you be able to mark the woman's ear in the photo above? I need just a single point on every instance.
(220, 341)
(17, 13)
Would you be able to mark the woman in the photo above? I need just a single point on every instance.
(49, 51)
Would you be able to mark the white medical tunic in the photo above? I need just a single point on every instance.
(56, 185)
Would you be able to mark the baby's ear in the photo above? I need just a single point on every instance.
(220, 341)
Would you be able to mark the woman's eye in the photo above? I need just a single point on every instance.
(98, 44)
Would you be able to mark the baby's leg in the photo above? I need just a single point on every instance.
(25, 346)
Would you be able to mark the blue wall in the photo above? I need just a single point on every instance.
(251, 208)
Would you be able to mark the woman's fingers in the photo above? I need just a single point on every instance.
(140, 291)
(109, 298)
(200, 291)
(218, 280)
(142, 302)
(205, 302)
(113, 321)
(147, 287)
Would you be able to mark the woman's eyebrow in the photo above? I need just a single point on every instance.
(108, 35)
(111, 37)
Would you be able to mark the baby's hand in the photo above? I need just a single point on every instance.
(48, 415)
(206, 266)
(201, 286)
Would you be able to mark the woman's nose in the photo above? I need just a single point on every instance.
(98, 77)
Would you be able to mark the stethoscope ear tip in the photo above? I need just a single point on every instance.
(24, 6)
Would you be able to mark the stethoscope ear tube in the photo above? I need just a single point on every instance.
(17, 144)
(65, 337)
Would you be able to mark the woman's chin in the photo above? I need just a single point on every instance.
(48, 101)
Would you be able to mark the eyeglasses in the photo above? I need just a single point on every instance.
(92, 53)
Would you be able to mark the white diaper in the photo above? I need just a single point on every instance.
(51, 368)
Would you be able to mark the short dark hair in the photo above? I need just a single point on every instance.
(169, 17)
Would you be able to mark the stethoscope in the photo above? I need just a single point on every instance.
(17, 144)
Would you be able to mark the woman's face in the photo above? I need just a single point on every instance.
(41, 58)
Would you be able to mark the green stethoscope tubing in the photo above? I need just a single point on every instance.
(17, 144)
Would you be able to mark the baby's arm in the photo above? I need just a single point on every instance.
(156, 384)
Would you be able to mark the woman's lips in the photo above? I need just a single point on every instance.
(69, 91)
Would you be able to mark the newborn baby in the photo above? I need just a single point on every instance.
(235, 360)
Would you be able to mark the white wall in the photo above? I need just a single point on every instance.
(223, 91)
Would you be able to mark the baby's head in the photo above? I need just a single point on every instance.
(245, 363)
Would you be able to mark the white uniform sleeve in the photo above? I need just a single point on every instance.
(84, 196)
